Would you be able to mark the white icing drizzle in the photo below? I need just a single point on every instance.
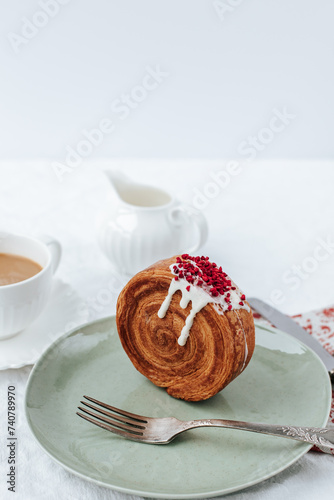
(200, 297)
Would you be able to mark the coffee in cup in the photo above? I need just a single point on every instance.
(15, 268)
(27, 266)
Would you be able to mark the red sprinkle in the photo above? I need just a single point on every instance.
(203, 273)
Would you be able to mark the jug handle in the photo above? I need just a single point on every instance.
(197, 218)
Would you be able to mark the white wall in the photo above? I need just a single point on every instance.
(226, 75)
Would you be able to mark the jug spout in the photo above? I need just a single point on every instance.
(135, 194)
(119, 181)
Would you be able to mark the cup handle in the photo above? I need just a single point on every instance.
(55, 250)
(197, 218)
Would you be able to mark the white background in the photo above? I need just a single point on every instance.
(225, 76)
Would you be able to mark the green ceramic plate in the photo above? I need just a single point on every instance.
(285, 383)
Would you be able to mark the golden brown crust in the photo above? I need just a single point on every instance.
(218, 349)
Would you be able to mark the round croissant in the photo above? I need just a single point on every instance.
(219, 346)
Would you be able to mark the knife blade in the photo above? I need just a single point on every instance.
(288, 325)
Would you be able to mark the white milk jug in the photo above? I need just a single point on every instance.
(144, 224)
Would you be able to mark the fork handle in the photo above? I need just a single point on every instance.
(314, 435)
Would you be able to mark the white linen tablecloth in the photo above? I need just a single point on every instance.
(268, 218)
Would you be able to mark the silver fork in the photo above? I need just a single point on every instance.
(164, 430)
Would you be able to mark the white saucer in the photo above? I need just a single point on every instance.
(64, 311)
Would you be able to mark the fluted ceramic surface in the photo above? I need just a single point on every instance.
(16, 317)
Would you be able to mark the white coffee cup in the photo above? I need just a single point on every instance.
(22, 302)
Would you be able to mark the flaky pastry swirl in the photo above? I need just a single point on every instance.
(219, 347)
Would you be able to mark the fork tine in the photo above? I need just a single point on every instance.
(115, 423)
(109, 428)
(134, 423)
(140, 418)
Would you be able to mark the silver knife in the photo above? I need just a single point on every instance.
(288, 325)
